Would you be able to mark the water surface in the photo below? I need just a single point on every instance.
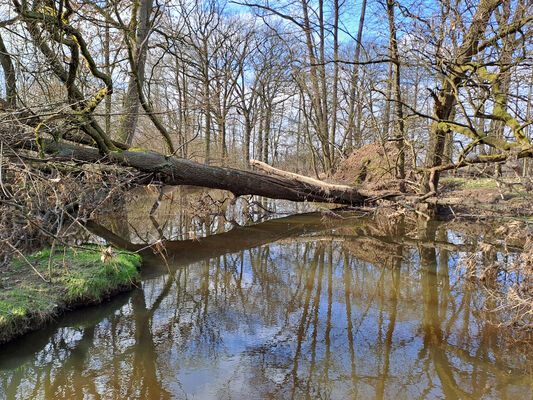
(296, 307)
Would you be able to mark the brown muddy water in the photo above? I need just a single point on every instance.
(294, 307)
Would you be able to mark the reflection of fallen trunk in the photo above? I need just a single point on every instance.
(367, 247)
(237, 239)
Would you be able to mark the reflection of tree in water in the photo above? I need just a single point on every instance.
(304, 319)
(176, 212)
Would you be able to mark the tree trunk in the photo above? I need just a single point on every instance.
(400, 126)
(525, 171)
(386, 111)
(259, 141)
(509, 45)
(446, 99)
(107, 61)
(9, 75)
(335, 99)
(266, 132)
(354, 129)
(318, 90)
(175, 171)
(207, 114)
(131, 102)
(247, 136)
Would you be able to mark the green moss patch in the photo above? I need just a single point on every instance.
(469, 183)
(75, 277)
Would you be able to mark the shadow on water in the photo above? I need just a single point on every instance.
(295, 307)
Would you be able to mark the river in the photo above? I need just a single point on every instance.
(308, 306)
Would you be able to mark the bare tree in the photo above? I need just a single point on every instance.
(137, 35)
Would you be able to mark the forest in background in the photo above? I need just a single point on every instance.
(294, 83)
(101, 95)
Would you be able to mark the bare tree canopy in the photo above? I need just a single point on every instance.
(294, 84)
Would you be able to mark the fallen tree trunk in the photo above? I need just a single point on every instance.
(301, 178)
(176, 171)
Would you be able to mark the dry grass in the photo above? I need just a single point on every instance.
(506, 276)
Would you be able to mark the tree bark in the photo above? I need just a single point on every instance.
(141, 18)
(174, 171)
(446, 100)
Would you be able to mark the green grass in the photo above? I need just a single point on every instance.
(469, 183)
(77, 277)
(524, 218)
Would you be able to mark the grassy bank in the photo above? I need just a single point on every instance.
(31, 295)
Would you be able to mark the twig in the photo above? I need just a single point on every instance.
(4, 190)
(27, 262)
(415, 210)
(453, 212)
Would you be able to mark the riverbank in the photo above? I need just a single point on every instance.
(486, 197)
(35, 289)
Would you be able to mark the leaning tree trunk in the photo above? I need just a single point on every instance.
(446, 99)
